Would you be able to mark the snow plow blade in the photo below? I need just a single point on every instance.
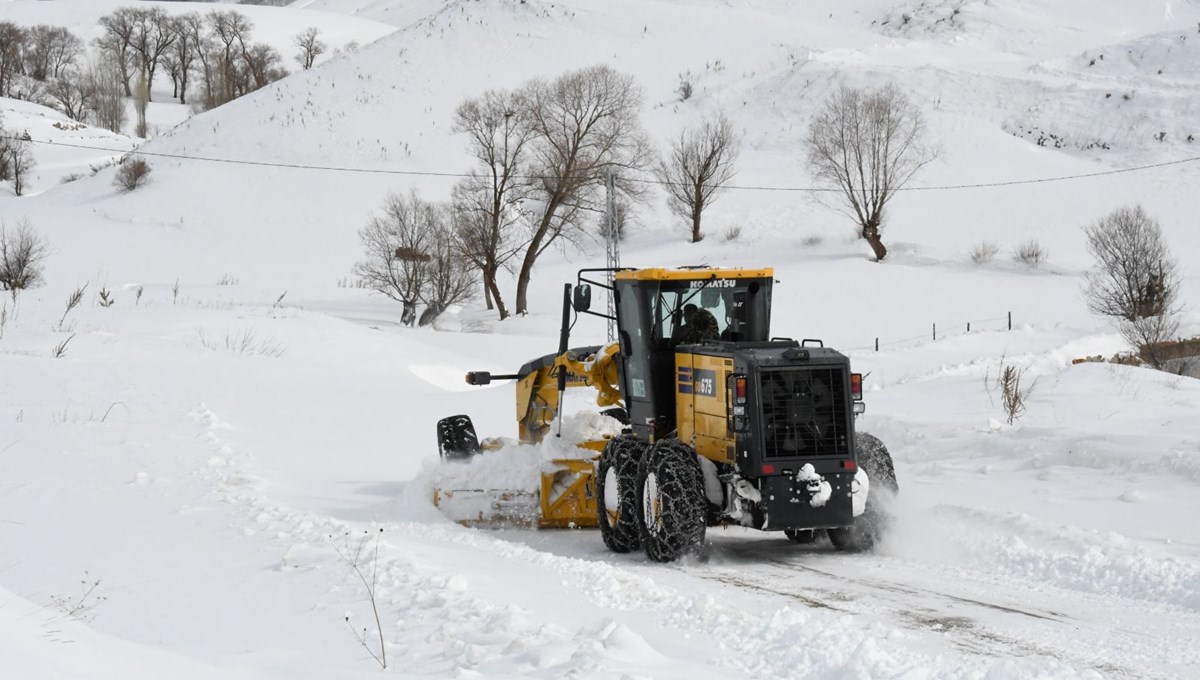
(530, 489)
(564, 499)
(488, 507)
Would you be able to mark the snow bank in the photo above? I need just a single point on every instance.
(517, 466)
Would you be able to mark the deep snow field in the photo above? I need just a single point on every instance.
(171, 507)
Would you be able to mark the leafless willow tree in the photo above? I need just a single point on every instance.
(50, 51)
(153, 35)
(701, 160)
(117, 41)
(12, 39)
(396, 247)
(411, 256)
(868, 143)
(22, 253)
(449, 276)
(1135, 281)
(73, 95)
(584, 122)
(107, 83)
(16, 158)
(488, 203)
(141, 100)
(310, 47)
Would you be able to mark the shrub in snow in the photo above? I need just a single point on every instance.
(134, 172)
(362, 556)
(685, 88)
(984, 251)
(1030, 253)
(1012, 393)
(60, 350)
(72, 302)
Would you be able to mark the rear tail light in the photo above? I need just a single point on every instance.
(856, 386)
(739, 389)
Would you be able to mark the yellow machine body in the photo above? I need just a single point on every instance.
(701, 399)
(566, 497)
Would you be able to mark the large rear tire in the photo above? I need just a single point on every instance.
(617, 493)
(672, 512)
(870, 526)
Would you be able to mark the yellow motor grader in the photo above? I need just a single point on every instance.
(720, 423)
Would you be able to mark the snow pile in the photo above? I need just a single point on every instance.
(519, 467)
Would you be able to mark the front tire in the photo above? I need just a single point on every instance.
(869, 527)
(617, 493)
(673, 507)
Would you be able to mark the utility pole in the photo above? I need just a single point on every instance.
(612, 250)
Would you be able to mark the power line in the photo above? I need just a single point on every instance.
(733, 187)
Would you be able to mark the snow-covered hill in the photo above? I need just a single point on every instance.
(211, 489)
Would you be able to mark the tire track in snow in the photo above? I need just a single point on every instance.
(974, 625)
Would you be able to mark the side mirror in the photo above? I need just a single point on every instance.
(583, 298)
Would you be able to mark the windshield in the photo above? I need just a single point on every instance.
(688, 312)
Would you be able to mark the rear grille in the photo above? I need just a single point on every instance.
(804, 412)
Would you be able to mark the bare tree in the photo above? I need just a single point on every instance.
(105, 80)
(488, 203)
(397, 247)
(4, 135)
(868, 143)
(261, 65)
(49, 50)
(230, 31)
(18, 159)
(119, 28)
(1135, 280)
(449, 278)
(22, 254)
(701, 161)
(65, 50)
(194, 45)
(310, 47)
(12, 41)
(1135, 275)
(585, 122)
(153, 35)
(73, 94)
(141, 99)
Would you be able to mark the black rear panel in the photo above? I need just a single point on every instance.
(804, 412)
